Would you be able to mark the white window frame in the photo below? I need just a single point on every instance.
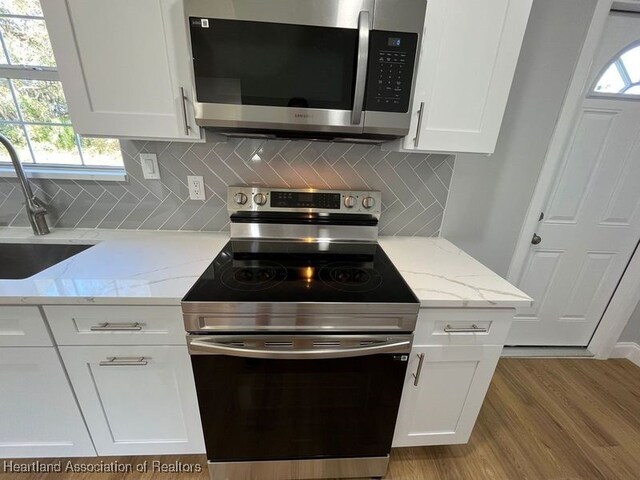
(40, 170)
(617, 61)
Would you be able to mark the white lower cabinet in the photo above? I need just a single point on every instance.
(39, 416)
(137, 400)
(441, 406)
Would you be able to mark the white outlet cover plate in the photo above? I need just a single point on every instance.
(196, 187)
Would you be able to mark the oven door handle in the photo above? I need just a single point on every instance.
(364, 26)
(205, 347)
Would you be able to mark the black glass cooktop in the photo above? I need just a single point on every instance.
(254, 271)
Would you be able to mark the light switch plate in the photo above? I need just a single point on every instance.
(196, 187)
(149, 164)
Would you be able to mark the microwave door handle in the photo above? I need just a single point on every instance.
(361, 67)
(212, 348)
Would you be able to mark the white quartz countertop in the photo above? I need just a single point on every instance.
(158, 268)
(442, 275)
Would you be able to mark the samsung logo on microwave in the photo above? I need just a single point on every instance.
(302, 115)
(200, 22)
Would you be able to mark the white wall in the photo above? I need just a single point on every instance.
(489, 196)
(631, 333)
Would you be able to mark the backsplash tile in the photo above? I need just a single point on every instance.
(414, 187)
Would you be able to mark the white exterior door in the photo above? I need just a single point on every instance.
(591, 222)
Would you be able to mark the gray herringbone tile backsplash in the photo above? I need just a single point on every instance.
(414, 187)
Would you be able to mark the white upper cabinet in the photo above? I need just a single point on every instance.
(124, 65)
(467, 62)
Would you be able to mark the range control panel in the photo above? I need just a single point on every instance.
(264, 199)
(305, 199)
(391, 61)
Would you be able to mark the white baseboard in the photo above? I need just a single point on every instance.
(628, 350)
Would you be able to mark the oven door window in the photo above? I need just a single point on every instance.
(263, 409)
(256, 63)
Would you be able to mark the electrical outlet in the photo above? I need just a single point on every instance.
(149, 164)
(196, 187)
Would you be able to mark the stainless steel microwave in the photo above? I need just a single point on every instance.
(312, 68)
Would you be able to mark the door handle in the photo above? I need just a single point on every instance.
(536, 239)
(203, 346)
(361, 67)
(184, 99)
(416, 375)
(416, 139)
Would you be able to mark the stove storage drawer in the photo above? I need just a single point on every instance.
(116, 325)
(474, 326)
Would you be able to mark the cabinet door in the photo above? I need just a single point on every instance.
(39, 416)
(122, 65)
(442, 408)
(142, 403)
(467, 61)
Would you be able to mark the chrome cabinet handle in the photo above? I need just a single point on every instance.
(474, 329)
(116, 327)
(416, 375)
(416, 139)
(361, 69)
(213, 348)
(123, 361)
(184, 99)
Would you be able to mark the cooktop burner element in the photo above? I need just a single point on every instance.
(259, 276)
(350, 277)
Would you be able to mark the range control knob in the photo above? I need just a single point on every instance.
(260, 198)
(368, 202)
(240, 198)
(350, 201)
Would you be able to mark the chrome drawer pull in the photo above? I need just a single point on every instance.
(474, 329)
(416, 375)
(116, 327)
(123, 361)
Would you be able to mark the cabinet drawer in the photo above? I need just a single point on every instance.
(450, 326)
(101, 325)
(23, 327)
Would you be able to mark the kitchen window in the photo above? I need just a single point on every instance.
(33, 109)
(621, 78)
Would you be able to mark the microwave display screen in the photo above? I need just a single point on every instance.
(394, 42)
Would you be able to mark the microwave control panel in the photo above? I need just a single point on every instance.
(391, 62)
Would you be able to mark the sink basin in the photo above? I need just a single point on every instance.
(23, 260)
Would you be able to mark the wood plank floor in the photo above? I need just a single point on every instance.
(542, 419)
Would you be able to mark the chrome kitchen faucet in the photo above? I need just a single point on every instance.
(35, 208)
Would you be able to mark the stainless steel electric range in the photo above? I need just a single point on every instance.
(299, 335)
